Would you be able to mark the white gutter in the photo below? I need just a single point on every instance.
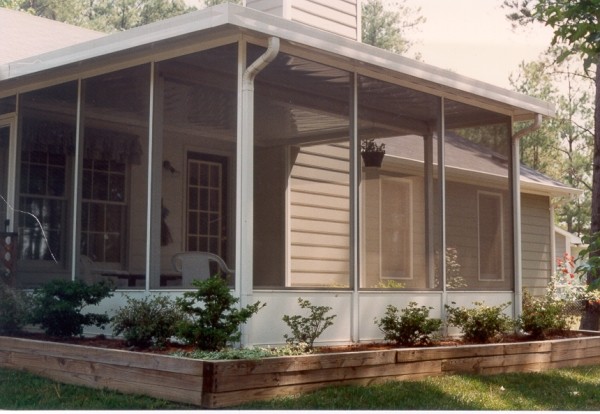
(516, 196)
(245, 180)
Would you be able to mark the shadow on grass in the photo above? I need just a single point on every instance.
(575, 389)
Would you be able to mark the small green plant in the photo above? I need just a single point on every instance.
(409, 326)
(58, 306)
(482, 323)
(389, 284)
(254, 353)
(146, 322)
(370, 145)
(543, 316)
(306, 330)
(14, 309)
(211, 319)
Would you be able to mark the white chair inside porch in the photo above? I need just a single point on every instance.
(91, 273)
(197, 266)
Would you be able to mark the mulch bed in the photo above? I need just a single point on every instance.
(102, 341)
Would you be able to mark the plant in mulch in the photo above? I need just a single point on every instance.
(211, 317)
(544, 316)
(482, 323)
(58, 306)
(306, 329)
(409, 326)
(146, 322)
(14, 309)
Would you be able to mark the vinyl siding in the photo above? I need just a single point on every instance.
(336, 16)
(320, 217)
(536, 242)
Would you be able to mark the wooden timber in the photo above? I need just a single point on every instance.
(215, 384)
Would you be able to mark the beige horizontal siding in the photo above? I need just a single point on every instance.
(320, 216)
(536, 242)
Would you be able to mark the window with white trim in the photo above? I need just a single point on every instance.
(104, 207)
(490, 229)
(395, 228)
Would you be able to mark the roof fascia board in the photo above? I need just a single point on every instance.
(116, 62)
(180, 26)
(268, 25)
(373, 57)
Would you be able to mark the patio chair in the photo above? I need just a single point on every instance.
(90, 273)
(199, 266)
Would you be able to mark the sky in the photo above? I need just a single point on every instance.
(470, 37)
(474, 38)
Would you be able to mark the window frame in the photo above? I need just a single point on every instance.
(500, 199)
(383, 224)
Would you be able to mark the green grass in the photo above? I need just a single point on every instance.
(576, 389)
(22, 391)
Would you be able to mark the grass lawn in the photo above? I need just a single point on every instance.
(576, 389)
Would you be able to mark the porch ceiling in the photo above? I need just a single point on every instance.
(160, 40)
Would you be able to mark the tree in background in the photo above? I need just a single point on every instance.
(102, 15)
(561, 148)
(576, 25)
(386, 29)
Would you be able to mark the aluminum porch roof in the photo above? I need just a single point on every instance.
(230, 20)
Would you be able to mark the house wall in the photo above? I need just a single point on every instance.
(319, 212)
(337, 16)
(462, 233)
(536, 225)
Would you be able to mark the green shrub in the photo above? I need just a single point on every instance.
(146, 322)
(211, 319)
(413, 326)
(14, 309)
(482, 323)
(544, 315)
(58, 306)
(306, 330)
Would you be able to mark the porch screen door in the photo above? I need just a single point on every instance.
(206, 204)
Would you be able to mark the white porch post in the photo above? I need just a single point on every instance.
(245, 174)
(355, 171)
(516, 196)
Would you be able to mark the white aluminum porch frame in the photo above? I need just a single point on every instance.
(225, 24)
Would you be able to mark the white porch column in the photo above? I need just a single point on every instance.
(516, 198)
(245, 175)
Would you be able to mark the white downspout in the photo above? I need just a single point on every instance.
(516, 195)
(245, 180)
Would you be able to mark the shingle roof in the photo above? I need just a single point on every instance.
(24, 35)
(466, 159)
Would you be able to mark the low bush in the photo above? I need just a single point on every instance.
(306, 329)
(482, 323)
(211, 319)
(409, 326)
(14, 309)
(543, 316)
(146, 322)
(58, 306)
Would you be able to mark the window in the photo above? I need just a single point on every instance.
(395, 228)
(43, 194)
(490, 228)
(206, 204)
(104, 206)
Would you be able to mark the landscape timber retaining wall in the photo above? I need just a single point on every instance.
(215, 384)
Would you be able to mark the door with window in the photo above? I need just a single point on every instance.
(206, 207)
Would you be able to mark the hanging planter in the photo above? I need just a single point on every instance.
(372, 153)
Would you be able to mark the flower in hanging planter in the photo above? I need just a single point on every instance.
(372, 153)
(370, 145)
